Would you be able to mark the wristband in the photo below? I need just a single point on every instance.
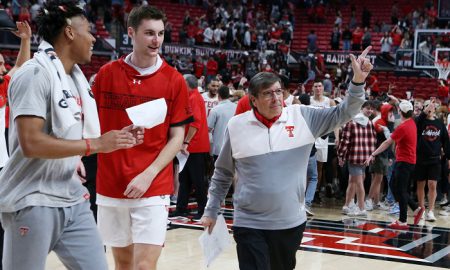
(186, 143)
(88, 147)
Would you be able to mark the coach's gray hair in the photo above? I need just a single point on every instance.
(261, 81)
(191, 81)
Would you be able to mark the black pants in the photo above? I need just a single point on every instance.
(267, 249)
(193, 175)
(400, 188)
(90, 164)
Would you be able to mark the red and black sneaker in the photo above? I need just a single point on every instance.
(418, 213)
(397, 225)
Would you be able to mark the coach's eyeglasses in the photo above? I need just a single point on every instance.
(268, 94)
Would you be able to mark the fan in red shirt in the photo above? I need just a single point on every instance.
(196, 143)
(372, 83)
(211, 67)
(443, 91)
(135, 185)
(357, 38)
(199, 67)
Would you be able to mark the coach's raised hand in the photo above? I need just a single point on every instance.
(361, 66)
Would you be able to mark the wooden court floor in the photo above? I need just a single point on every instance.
(331, 241)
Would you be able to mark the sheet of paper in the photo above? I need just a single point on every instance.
(215, 243)
(182, 159)
(148, 114)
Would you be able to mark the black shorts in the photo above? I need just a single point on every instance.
(425, 172)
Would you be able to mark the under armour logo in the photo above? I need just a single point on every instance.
(136, 81)
(290, 130)
(23, 230)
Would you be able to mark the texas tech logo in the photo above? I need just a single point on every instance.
(290, 130)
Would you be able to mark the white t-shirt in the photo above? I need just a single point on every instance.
(210, 102)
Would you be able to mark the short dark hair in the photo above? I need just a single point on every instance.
(407, 115)
(224, 92)
(209, 79)
(318, 80)
(305, 99)
(260, 81)
(140, 13)
(52, 18)
(284, 80)
(368, 103)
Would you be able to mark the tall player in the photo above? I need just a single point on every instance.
(134, 186)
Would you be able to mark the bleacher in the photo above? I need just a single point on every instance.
(380, 9)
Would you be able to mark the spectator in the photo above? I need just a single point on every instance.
(386, 42)
(218, 119)
(373, 86)
(367, 38)
(208, 35)
(356, 144)
(327, 85)
(396, 35)
(346, 39)
(212, 67)
(196, 144)
(356, 39)
(379, 168)
(405, 137)
(338, 20)
(312, 41)
(432, 141)
(335, 38)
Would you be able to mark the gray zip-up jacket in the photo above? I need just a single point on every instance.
(271, 163)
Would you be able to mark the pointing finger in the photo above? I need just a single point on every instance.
(365, 52)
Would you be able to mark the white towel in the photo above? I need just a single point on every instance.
(65, 110)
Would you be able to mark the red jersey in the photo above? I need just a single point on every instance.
(243, 105)
(200, 142)
(405, 137)
(396, 39)
(212, 67)
(357, 37)
(4, 97)
(442, 91)
(4, 90)
(198, 69)
(373, 81)
(128, 88)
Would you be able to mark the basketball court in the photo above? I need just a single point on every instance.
(331, 241)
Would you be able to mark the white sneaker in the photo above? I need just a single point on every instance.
(368, 205)
(346, 210)
(383, 206)
(430, 216)
(443, 201)
(358, 213)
